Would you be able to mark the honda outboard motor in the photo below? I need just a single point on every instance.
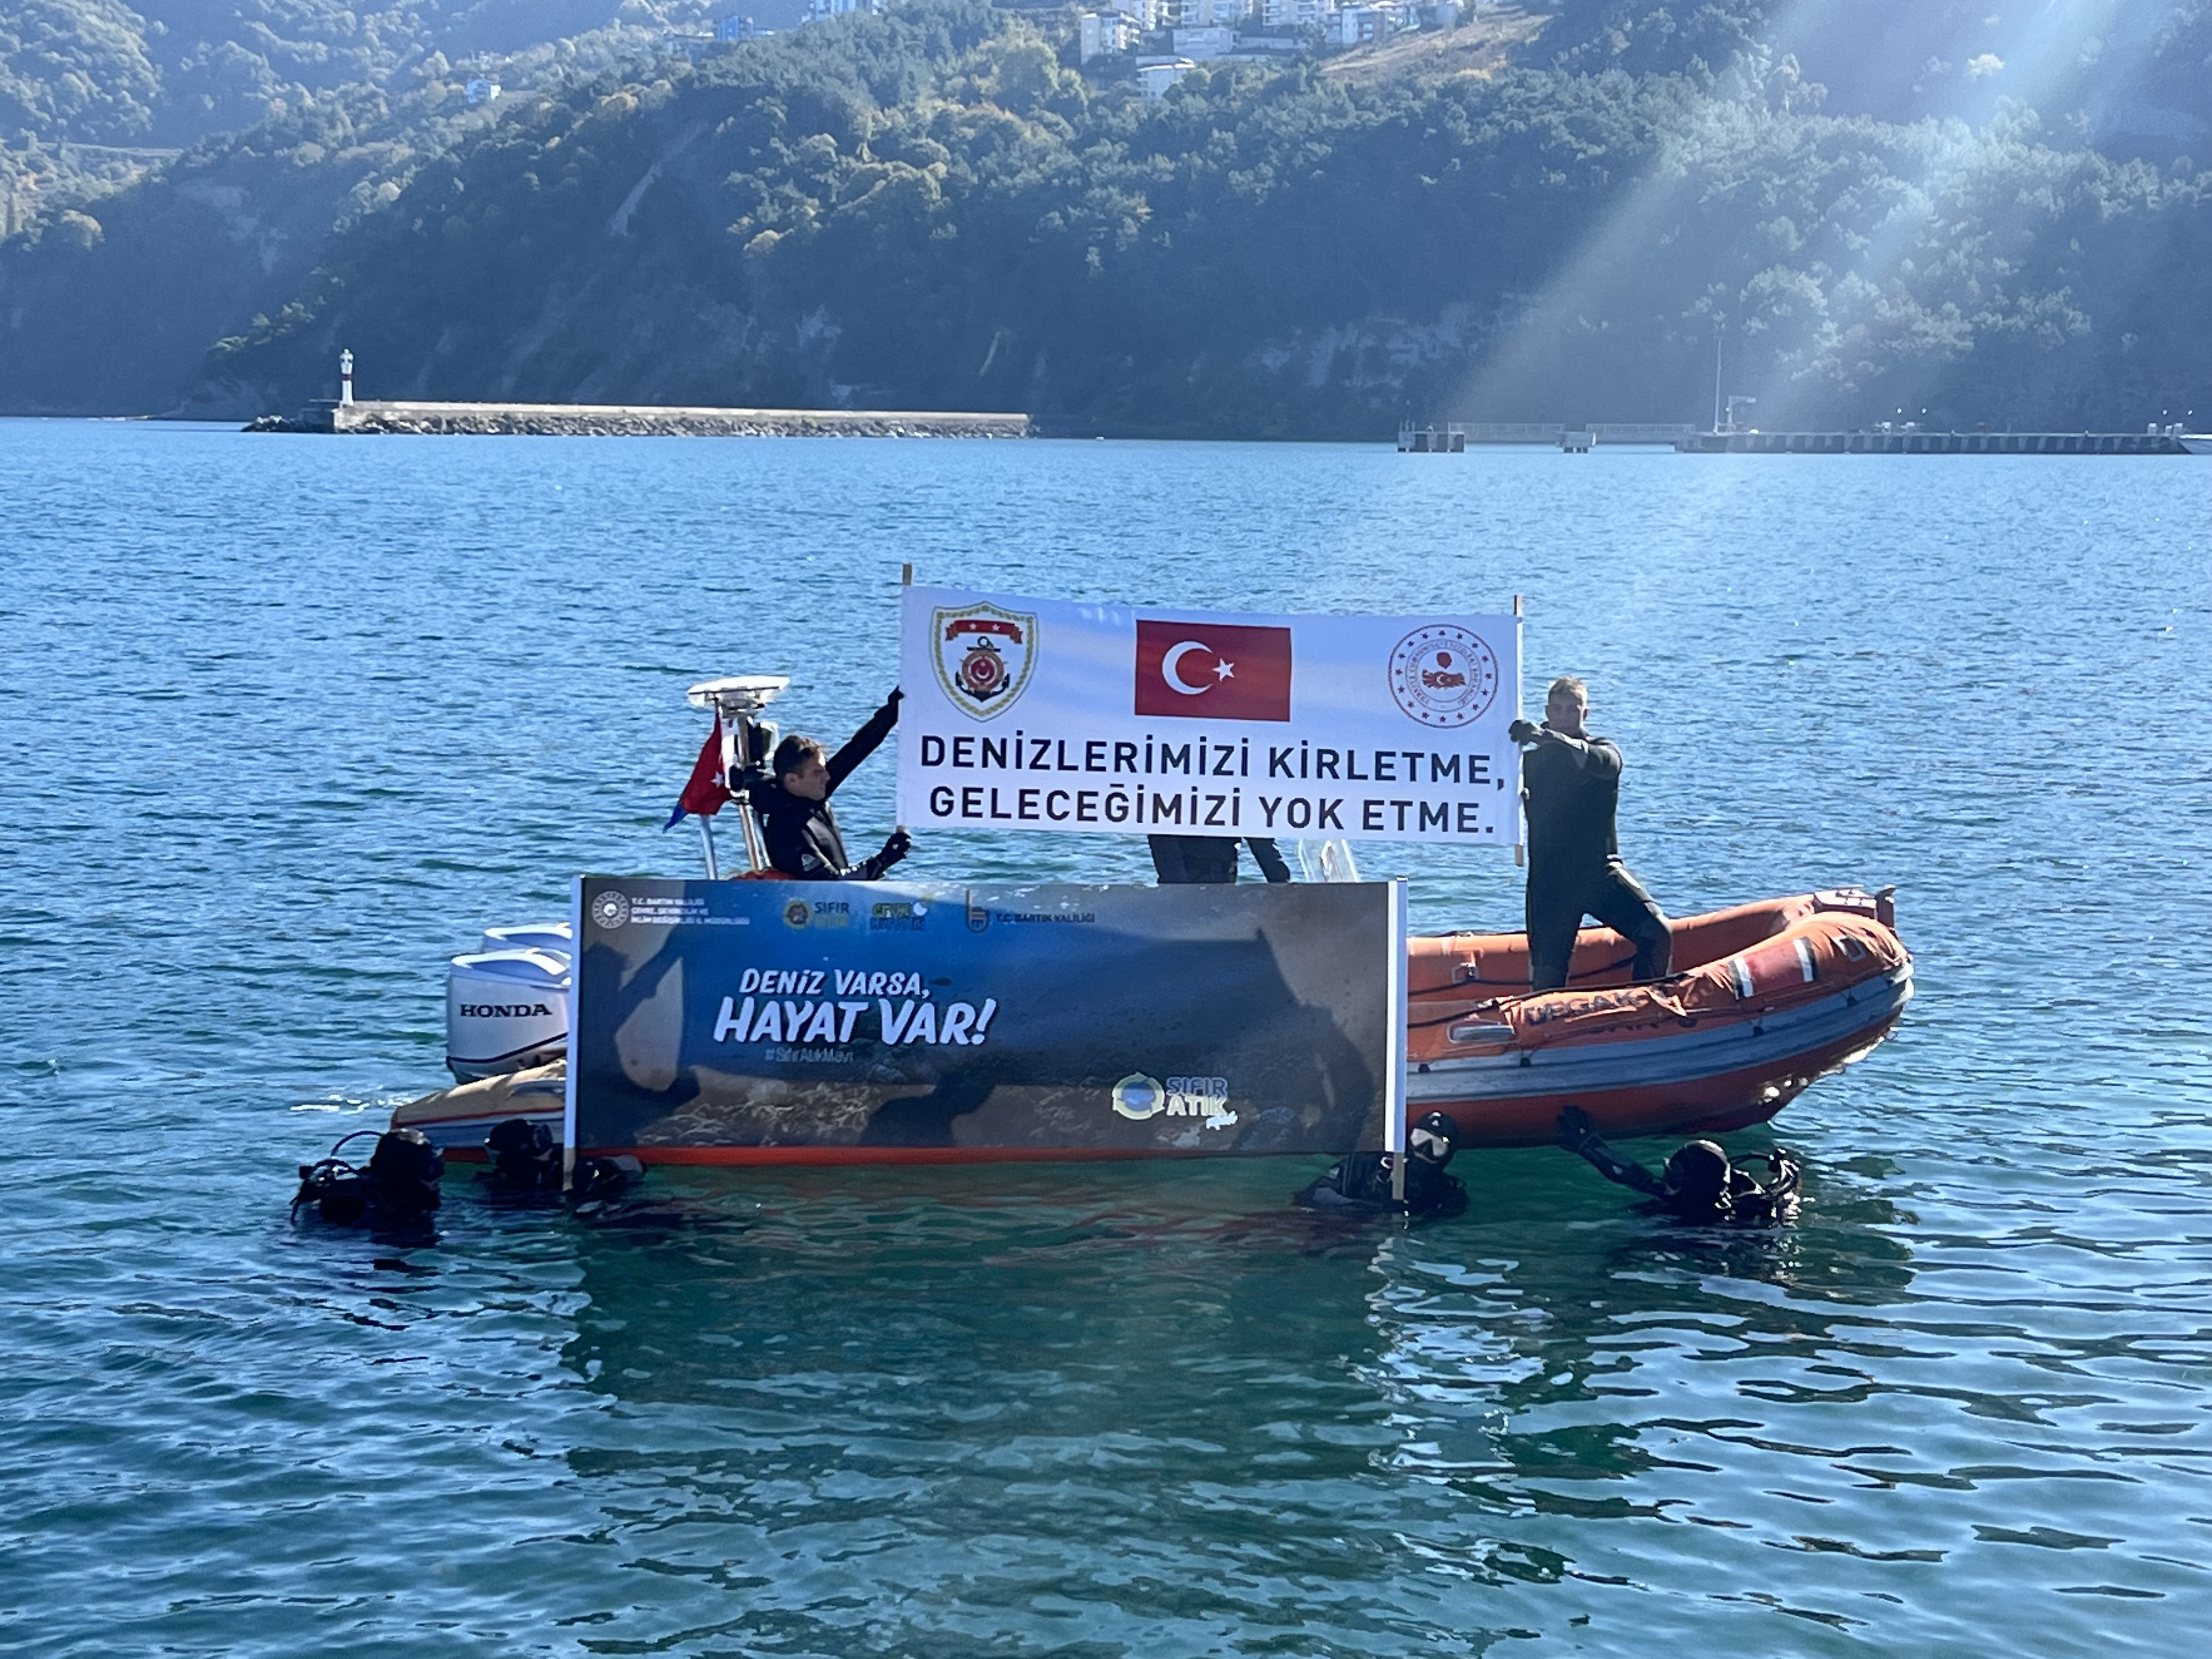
(506, 1010)
(399, 1189)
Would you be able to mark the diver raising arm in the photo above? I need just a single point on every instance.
(1699, 1184)
(797, 823)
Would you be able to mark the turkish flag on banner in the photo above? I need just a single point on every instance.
(1213, 670)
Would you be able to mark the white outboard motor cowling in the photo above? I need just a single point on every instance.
(505, 1009)
(558, 937)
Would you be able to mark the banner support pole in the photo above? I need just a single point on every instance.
(576, 988)
(1394, 1087)
(906, 580)
(1520, 851)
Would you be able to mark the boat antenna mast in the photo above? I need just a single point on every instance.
(748, 741)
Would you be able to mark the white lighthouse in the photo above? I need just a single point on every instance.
(345, 377)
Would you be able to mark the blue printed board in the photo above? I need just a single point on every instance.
(770, 1021)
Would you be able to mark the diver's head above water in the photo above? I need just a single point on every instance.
(1434, 1139)
(1697, 1176)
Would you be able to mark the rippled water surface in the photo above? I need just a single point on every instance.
(282, 721)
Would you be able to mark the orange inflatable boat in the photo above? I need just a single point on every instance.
(1765, 998)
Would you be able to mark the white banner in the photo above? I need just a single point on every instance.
(1027, 713)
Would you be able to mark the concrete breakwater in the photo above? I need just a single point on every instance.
(638, 420)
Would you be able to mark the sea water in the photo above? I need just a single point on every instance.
(284, 720)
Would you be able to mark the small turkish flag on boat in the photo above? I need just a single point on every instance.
(1213, 670)
(704, 794)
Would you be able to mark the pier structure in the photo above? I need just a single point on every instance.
(2155, 441)
(638, 420)
(1457, 437)
(1450, 440)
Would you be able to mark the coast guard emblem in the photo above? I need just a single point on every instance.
(984, 655)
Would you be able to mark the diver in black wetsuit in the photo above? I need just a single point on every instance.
(1179, 858)
(1698, 1184)
(1359, 1184)
(396, 1192)
(796, 822)
(1571, 786)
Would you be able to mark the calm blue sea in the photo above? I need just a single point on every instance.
(284, 720)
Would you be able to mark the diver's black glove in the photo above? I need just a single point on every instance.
(895, 851)
(1575, 1130)
(1524, 732)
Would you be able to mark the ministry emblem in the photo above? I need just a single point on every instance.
(984, 656)
(1443, 675)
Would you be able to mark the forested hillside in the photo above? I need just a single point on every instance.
(1989, 211)
(170, 72)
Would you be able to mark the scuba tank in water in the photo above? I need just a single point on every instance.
(600, 1181)
(1362, 1184)
(399, 1188)
(522, 1157)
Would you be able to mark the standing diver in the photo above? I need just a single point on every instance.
(1571, 786)
(796, 822)
(1698, 1184)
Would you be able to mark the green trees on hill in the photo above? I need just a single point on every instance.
(934, 208)
(77, 69)
(176, 71)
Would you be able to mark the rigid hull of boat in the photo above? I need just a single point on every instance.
(1719, 1078)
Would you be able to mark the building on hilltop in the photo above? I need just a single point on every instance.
(1296, 14)
(1103, 33)
(1354, 26)
(482, 90)
(1200, 43)
(817, 10)
(1157, 75)
(731, 29)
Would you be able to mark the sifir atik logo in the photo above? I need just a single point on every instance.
(1213, 670)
